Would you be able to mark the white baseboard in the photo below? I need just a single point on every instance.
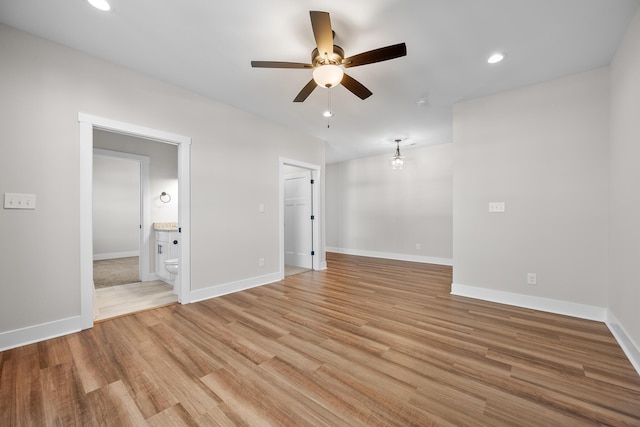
(37, 333)
(114, 255)
(228, 288)
(630, 348)
(390, 255)
(582, 311)
(566, 308)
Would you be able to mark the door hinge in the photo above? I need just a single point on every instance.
(313, 181)
(179, 229)
(313, 217)
(313, 253)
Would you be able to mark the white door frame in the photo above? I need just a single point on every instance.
(317, 244)
(87, 124)
(144, 233)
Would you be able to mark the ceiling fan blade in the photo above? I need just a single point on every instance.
(376, 55)
(279, 64)
(355, 87)
(321, 24)
(306, 91)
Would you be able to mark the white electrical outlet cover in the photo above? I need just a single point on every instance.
(19, 201)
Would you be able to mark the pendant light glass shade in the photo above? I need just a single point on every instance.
(397, 161)
(328, 75)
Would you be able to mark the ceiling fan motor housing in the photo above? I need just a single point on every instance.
(334, 58)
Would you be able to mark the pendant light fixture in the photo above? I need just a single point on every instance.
(397, 161)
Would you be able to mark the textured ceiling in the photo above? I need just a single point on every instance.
(207, 47)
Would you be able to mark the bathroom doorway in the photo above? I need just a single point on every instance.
(118, 210)
(127, 173)
(132, 138)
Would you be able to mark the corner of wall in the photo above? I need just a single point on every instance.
(630, 348)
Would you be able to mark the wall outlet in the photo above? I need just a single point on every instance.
(19, 201)
(418, 246)
(496, 207)
(532, 279)
(261, 262)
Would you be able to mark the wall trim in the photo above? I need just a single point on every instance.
(566, 308)
(229, 288)
(630, 348)
(390, 255)
(114, 255)
(37, 333)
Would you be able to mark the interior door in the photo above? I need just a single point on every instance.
(298, 224)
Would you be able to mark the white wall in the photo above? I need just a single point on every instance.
(43, 87)
(543, 150)
(116, 207)
(624, 223)
(374, 210)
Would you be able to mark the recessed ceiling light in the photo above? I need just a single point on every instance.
(100, 4)
(495, 58)
(327, 114)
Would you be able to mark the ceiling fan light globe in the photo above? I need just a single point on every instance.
(328, 75)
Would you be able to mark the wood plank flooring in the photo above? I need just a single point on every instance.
(367, 342)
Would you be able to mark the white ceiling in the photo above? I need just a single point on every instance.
(206, 46)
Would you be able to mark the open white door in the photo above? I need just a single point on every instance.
(298, 224)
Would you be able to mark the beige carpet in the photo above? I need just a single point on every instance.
(113, 272)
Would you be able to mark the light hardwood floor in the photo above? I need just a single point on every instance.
(117, 300)
(367, 342)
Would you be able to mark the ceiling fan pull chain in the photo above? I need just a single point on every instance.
(329, 109)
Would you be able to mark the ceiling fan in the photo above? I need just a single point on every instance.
(327, 60)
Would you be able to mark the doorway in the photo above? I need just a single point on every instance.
(299, 217)
(88, 124)
(120, 205)
(298, 221)
(124, 278)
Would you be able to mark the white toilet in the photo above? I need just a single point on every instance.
(171, 265)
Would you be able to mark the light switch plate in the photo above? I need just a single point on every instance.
(496, 206)
(19, 201)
